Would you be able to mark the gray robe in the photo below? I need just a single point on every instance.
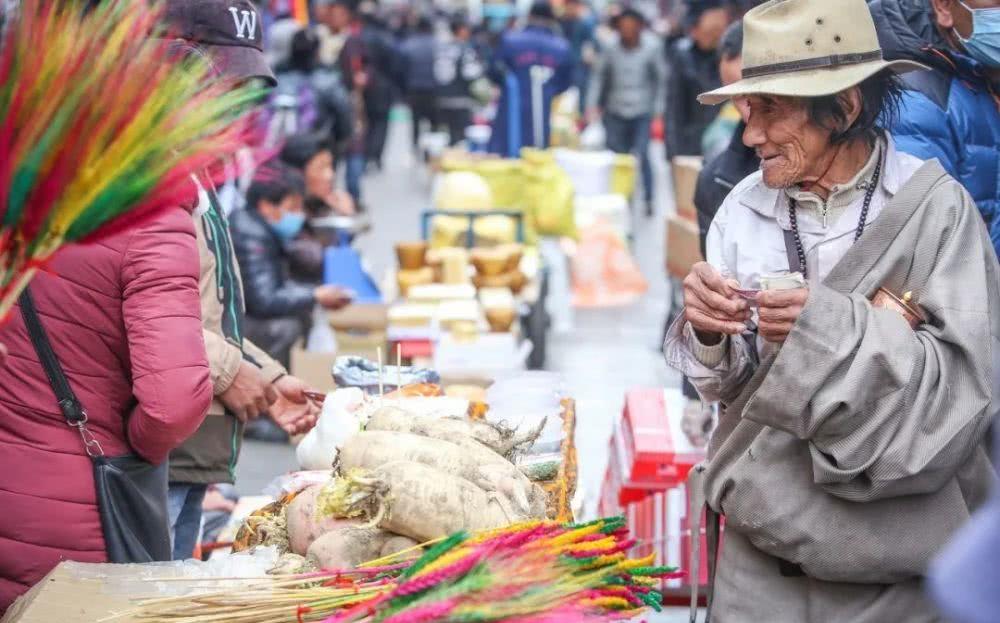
(855, 452)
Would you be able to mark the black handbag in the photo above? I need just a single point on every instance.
(131, 493)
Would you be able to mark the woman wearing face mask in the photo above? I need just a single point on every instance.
(312, 155)
(277, 307)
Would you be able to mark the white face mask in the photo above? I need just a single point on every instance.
(984, 42)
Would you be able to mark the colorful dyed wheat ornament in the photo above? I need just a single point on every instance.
(536, 572)
(100, 125)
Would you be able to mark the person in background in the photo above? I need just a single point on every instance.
(717, 179)
(532, 66)
(277, 308)
(382, 49)
(320, 103)
(694, 69)
(579, 25)
(736, 161)
(417, 73)
(951, 111)
(457, 67)
(628, 91)
(253, 392)
(312, 156)
(719, 134)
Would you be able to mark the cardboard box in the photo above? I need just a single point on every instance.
(361, 317)
(76, 592)
(362, 344)
(685, 171)
(316, 369)
(683, 248)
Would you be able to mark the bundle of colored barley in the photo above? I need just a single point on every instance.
(535, 572)
(99, 126)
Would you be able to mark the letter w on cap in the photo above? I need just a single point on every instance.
(246, 23)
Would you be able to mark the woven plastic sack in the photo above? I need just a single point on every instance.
(548, 194)
(624, 173)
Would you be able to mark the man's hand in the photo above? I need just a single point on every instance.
(332, 297)
(779, 310)
(250, 395)
(295, 419)
(293, 411)
(711, 306)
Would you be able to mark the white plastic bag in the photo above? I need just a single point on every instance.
(322, 339)
(593, 137)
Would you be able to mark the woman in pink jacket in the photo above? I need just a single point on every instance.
(123, 317)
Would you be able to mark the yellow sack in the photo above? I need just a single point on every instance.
(505, 179)
(623, 175)
(548, 194)
(463, 191)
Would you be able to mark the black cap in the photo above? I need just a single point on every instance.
(542, 9)
(230, 32)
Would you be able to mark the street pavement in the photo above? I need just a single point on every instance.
(607, 352)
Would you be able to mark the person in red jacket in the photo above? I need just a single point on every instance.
(123, 318)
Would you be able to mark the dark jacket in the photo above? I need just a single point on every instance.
(949, 113)
(333, 110)
(719, 176)
(263, 262)
(417, 63)
(691, 72)
(371, 50)
(456, 66)
(519, 54)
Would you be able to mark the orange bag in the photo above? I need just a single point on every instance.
(604, 273)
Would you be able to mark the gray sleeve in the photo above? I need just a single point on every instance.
(718, 372)
(889, 410)
(660, 75)
(596, 88)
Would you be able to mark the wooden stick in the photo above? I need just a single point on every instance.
(399, 365)
(381, 381)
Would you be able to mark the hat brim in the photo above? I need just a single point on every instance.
(241, 63)
(808, 83)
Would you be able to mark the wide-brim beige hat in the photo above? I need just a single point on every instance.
(808, 48)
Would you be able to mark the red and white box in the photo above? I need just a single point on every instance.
(649, 452)
(661, 525)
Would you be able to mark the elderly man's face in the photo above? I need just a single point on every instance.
(791, 147)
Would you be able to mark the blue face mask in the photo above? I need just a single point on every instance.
(289, 226)
(984, 44)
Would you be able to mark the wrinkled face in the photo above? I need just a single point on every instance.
(791, 147)
(320, 175)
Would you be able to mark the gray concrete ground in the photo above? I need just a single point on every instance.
(607, 352)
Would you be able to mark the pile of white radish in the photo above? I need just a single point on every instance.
(408, 479)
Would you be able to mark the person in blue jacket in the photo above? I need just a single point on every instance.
(950, 112)
(532, 65)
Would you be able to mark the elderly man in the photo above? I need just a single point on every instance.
(847, 321)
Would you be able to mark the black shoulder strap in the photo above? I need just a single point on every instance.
(70, 406)
(794, 263)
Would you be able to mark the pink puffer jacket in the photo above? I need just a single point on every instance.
(124, 319)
